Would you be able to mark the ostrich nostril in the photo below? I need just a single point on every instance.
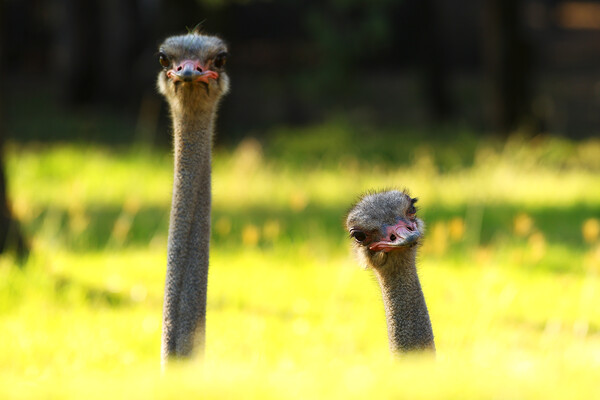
(179, 68)
(392, 237)
(410, 228)
(198, 69)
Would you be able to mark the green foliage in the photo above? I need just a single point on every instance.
(344, 35)
(509, 269)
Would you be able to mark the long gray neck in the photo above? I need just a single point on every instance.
(184, 313)
(408, 323)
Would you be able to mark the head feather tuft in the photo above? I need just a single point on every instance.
(196, 30)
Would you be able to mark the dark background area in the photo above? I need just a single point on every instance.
(493, 65)
(85, 71)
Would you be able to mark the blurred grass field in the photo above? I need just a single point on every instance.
(510, 269)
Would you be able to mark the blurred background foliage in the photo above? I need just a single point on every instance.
(492, 66)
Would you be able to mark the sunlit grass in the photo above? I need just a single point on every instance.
(510, 270)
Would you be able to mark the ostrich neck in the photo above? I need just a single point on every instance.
(409, 327)
(189, 236)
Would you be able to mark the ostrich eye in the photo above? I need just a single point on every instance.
(412, 209)
(163, 60)
(220, 60)
(359, 236)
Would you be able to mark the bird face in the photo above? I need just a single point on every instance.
(193, 64)
(383, 224)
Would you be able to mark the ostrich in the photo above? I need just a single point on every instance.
(193, 80)
(386, 232)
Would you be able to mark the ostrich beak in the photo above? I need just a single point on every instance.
(403, 234)
(191, 71)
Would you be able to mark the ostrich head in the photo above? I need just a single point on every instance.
(385, 228)
(193, 70)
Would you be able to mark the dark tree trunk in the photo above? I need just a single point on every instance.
(508, 65)
(10, 234)
(79, 41)
(123, 35)
(434, 62)
(107, 46)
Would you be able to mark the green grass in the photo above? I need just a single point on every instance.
(510, 270)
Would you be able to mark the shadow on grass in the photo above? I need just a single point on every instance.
(97, 296)
(111, 228)
(108, 227)
(341, 141)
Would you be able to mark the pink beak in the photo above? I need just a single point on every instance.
(191, 71)
(403, 234)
